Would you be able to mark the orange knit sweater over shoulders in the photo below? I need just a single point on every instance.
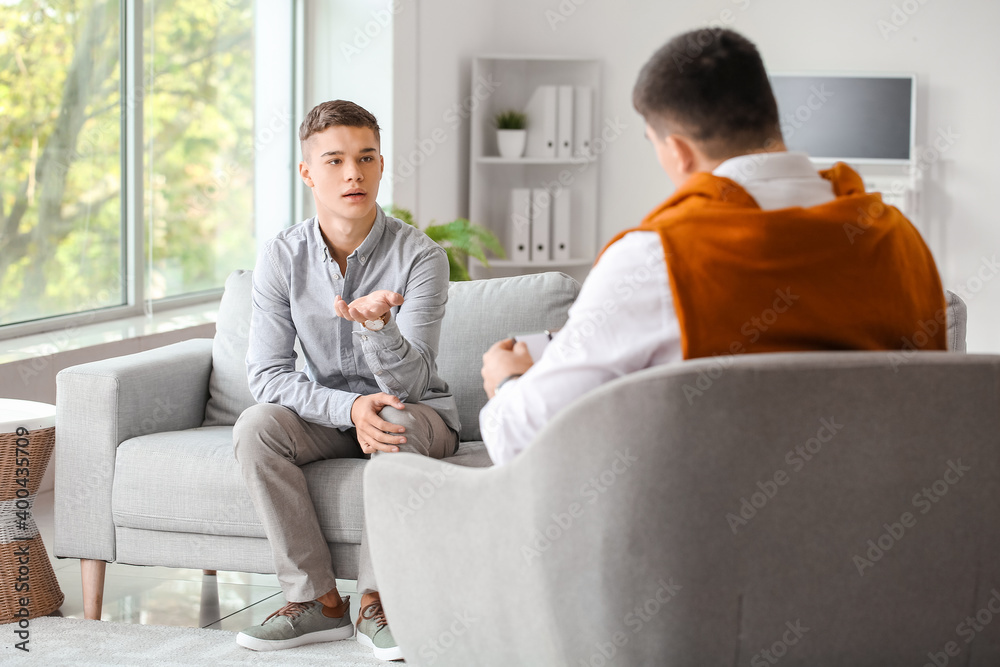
(850, 274)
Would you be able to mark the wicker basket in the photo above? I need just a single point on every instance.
(19, 536)
(40, 446)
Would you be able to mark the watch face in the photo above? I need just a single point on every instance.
(374, 325)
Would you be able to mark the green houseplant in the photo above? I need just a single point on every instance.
(511, 120)
(460, 238)
(511, 133)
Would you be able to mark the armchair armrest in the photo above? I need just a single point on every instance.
(101, 404)
(432, 524)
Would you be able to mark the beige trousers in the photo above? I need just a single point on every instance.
(271, 443)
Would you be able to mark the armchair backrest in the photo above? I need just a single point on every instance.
(843, 503)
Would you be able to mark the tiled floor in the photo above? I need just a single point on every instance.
(168, 596)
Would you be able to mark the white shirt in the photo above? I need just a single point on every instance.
(624, 319)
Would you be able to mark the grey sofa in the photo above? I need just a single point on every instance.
(820, 509)
(144, 469)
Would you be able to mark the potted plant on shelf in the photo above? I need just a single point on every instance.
(460, 238)
(511, 133)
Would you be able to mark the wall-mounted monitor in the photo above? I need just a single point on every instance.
(861, 118)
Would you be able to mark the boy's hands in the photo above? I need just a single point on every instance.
(502, 360)
(370, 307)
(375, 433)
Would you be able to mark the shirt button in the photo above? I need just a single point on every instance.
(362, 259)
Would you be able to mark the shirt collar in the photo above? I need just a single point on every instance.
(745, 169)
(367, 246)
(317, 237)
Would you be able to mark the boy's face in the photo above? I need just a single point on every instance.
(343, 167)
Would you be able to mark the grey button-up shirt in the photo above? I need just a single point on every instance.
(294, 284)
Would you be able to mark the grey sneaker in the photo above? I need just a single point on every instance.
(295, 624)
(374, 632)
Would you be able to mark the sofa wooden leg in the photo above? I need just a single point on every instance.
(92, 575)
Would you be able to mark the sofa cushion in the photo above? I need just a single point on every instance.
(189, 482)
(228, 389)
(481, 312)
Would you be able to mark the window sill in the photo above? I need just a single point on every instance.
(111, 331)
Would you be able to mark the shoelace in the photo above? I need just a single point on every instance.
(291, 610)
(377, 613)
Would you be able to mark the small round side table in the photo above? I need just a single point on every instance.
(27, 437)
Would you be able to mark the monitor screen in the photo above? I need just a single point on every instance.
(860, 118)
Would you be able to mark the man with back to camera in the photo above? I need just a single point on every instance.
(365, 295)
(754, 252)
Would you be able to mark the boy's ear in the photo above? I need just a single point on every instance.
(304, 173)
(683, 153)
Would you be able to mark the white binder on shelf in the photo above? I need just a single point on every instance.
(519, 232)
(541, 112)
(564, 128)
(560, 224)
(541, 224)
(583, 105)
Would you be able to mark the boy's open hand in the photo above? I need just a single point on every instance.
(375, 433)
(370, 307)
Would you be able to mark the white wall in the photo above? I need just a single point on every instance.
(349, 56)
(950, 45)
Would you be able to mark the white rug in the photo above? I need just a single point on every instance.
(68, 642)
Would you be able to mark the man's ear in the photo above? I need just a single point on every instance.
(685, 156)
(304, 173)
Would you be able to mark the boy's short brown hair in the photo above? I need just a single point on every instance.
(711, 85)
(333, 113)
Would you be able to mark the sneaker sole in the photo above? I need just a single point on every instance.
(394, 653)
(332, 635)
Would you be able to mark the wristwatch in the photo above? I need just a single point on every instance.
(376, 325)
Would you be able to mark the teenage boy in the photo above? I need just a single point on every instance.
(364, 294)
(754, 252)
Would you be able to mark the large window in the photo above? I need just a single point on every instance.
(73, 118)
(200, 143)
(61, 242)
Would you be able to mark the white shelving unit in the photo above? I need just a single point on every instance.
(491, 177)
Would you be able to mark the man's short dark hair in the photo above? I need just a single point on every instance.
(710, 86)
(333, 113)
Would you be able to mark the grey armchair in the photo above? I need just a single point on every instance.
(811, 508)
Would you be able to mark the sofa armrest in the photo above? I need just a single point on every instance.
(101, 404)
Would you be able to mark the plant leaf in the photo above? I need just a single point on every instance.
(511, 119)
(456, 265)
(489, 240)
(402, 213)
(461, 238)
